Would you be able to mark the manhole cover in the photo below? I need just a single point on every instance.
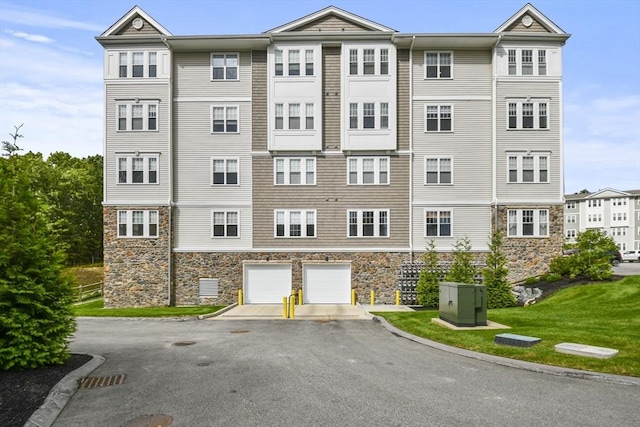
(239, 331)
(93, 382)
(158, 420)
(203, 364)
(183, 343)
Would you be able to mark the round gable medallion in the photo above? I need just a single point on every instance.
(527, 21)
(137, 23)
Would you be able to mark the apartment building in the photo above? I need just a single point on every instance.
(323, 154)
(615, 212)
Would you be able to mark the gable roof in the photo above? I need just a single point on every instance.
(534, 13)
(604, 193)
(331, 11)
(128, 17)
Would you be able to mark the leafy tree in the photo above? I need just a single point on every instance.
(35, 297)
(12, 147)
(428, 287)
(594, 251)
(462, 269)
(495, 275)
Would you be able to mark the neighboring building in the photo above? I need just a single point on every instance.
(615, 212)
(323, 154)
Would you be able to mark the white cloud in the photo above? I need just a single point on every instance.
(30, 37)
(35, 19)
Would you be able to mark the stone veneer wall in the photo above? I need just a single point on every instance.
(135, 269)
(531, 256)
(375, 271)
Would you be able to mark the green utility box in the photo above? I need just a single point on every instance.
(463, 304)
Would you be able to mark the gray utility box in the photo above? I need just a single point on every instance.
(463, 304)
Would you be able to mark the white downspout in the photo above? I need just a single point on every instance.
(170, 300)
(411, 183)
(494, 138)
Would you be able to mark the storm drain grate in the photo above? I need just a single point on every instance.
(94, 382)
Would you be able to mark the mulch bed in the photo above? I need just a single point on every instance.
(23, 392)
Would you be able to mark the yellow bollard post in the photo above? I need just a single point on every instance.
(353, 297)
(373, 296)
(397, 297)
(300, 296)
(292, 306)
(285, 311)
(240, 297)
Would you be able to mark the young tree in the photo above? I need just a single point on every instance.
(495, 275)
(36, 319)
(595, 251)
(462, 269)
(428, 287)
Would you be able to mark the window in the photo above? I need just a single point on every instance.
(368, 170)
(137, 223)
(368, 61)
(224, 119)
(438, 65)
(438, 118)
(571, 234)
(279, 66)
(542, 62)
(123, 64)
(368, 223)
(142, 116)
(571, 205)
(513, 70)
(524, 168)
(138, 64)
(224, 66)
(308, 62)
(295, 223)
(294, 62)
(439, 170)
(619, 231)
(594, 203)
(571, 219)
(619, 202)
(527, 115)
(294, 171)
(294, 116)
(384, 61)
(353, 116)
(225, 224)
(137, 169)
(437, 223)
(153, 65)
(527, 62)
(369, 115)
(384, 115)
(225, 171)
(353, 62)
(528, 223)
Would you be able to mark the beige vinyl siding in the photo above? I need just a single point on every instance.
(473, 222)
(404, 100)
(471, 75)
(331, 89)
(192, 76)
(524, 140)
(128, 142)
(470, 147)
(535, 27)
(331, 197)
(259, 100)
(195, 145)
(330, 24)
(146, 30)
(193, 229)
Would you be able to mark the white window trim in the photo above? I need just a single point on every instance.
(145, 174)
(145, 64)
(450, 52)
(439, 211)
(225, 212)
(519, 223)
(287, 170)
(302, 49)
(535, 62)
(439, 158)
(376, 223)
(536, 168)
(439, 118)
(536, 113)
(377, 110)
(377, 61)
(287, 223)
(571, 219)
(225, 79)
(376, 170)
(226, 160)
(570, 233)
(226, 107)
(146, 224)
(302, 108)
(129, 116)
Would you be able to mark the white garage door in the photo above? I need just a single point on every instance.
(266, 283)
(326, 283)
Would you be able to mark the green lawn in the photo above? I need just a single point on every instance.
(95, 309)
(599, 314)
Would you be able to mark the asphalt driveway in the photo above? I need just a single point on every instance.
(300, 373)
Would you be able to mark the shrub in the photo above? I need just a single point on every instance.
(592, 258)
(550, 277)
(495, 275)
(462, 269)
(565, 266)
(530, 281)
(428, 287)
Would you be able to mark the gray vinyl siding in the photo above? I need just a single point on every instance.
(331, 197)
(259, 100)
(195, 145)
(471, 75)
(473, 222)
(121, 142)
(193, 228)
(404, 100)
(192, 76)
(524, 140)
(331, 88)
(470, 147)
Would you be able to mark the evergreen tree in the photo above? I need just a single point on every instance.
(428, 287)
(462, 269)
(495, 275)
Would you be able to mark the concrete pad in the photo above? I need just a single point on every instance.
(490, 325)
(302, 312)
(386, 308)
(585, 350)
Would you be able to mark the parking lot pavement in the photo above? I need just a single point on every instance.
(627, 269)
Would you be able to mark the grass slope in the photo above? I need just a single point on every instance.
(95, 309)
(599, 314)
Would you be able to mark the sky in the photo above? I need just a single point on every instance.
(51, 66)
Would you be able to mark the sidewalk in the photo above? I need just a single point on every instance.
(307, 312)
